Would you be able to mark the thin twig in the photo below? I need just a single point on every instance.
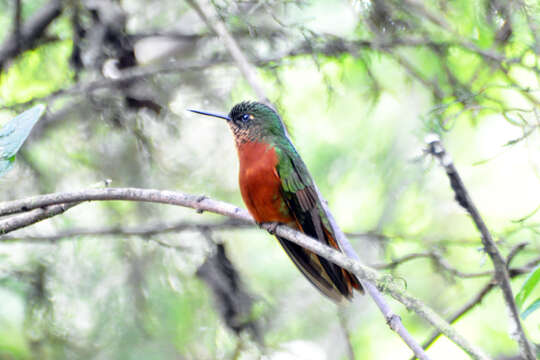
(17, 24)
(34, 216)
(151, 230)
(142, 72)
(326, 45)
(141, 231)
(490, 285)
(210, 16)
(438, 259)
(501, 273)
(371, 278)
(415, 73)
(346, 333)
(475, 300)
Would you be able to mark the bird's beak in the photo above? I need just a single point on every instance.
(210, 114)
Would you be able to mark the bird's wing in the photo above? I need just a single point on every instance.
(304, 205)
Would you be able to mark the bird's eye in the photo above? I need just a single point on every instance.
(245, 117)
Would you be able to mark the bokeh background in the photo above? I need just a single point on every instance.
(359, 84)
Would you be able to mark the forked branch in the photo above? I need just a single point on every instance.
(501, 276)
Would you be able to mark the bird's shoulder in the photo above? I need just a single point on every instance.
(291, 168)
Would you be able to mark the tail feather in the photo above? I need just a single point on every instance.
(351, 279)
(332, 280)
(311, 267)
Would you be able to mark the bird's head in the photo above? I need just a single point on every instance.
(251, 121)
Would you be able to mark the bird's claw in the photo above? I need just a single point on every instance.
(199, 200)
(269, 226)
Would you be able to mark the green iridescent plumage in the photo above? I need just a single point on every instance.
(280, 186)
(299, 196)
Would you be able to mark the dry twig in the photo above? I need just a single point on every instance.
(501, 273)
(486, 289)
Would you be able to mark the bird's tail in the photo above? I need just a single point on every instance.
(333, 281)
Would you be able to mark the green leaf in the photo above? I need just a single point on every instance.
(530, 309)
(14, 133)
(528, 286)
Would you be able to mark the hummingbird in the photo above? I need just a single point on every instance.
(277, 187)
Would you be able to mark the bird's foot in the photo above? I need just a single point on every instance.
(199, 200)
(269, 226)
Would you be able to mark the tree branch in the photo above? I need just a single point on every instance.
(445, 265)
(209, 15)
(501, 273)
(17, 24)
(201, 204)
(30, 32)
(326, 45)
(31, 217)
(151, 230)
(141, 231)
(490, 285)
(343, 324)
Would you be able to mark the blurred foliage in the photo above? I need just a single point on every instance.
(359, 84)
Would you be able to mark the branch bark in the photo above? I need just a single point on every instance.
(370, 277)
(436, 148)
(34, 216)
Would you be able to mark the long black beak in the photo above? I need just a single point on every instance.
(210, 114)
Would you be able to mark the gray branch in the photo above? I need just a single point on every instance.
(151, 230)
(486, 289)
(140, 231)
(501, 272)
(370, 277)
(208, 14)
(33, 216)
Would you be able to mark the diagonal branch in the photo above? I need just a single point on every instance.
(201, 203)
(501, 273)
(480, 295)
(140, 231)
(209, 15)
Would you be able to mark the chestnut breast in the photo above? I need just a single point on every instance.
(260, 184)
